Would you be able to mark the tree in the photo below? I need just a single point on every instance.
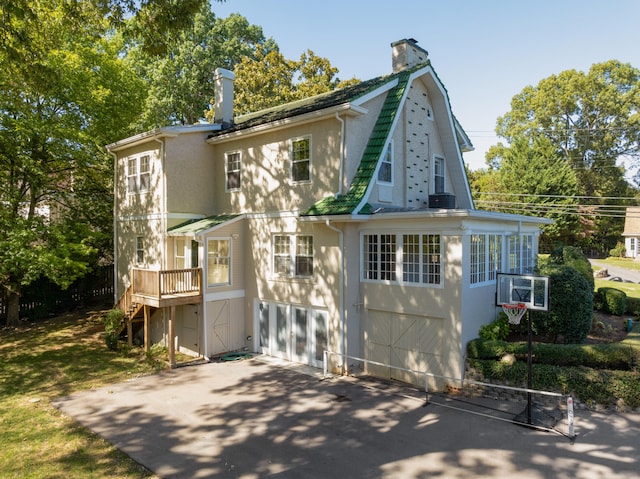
(268, 79)
(180, 82)
(532, 179)
(55, 114)
(592, 120)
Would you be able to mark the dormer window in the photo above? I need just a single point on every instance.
(301, 159)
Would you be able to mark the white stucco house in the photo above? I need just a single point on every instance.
(342, 222)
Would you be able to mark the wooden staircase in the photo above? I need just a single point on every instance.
(131, 311)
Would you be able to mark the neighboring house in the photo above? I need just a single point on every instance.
(631, 233)
(341, 222)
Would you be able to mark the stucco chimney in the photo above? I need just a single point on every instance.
(407, 54)
(223, 101)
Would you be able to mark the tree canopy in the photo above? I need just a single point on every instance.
(576, 127)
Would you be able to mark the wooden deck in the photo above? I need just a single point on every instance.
(165, 288)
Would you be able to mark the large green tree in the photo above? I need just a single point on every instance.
(592, 120)
(56, 111)
(532, 179)
(268, 79)
(180, 82)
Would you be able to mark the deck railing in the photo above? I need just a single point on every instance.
(163, 283)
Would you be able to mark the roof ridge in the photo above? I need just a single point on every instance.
(347, 203)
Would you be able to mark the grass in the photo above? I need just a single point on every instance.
(628, 263)
(632, 290)
(49, 360)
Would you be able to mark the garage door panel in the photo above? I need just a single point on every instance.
(404, 341)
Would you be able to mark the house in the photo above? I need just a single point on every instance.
(631, 232)
(342, 222)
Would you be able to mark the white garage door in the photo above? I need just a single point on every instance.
(404, 341)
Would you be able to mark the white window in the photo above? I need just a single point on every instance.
(478, 258)
(138, 174)
(179, 255)
(438, 175)
(385, 172)
(218, 262)
(419, 258)
(301, 159)
(293, 255)
(233, 168)
(487, 256)
(139, 250)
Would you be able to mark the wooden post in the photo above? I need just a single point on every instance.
(147, 328)
(172, 340)
(130, 330)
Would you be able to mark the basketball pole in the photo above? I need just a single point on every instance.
(529, 365)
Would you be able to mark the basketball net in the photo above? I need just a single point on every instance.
(514, 312)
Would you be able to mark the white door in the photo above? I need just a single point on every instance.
(294, 333)
(220, 314)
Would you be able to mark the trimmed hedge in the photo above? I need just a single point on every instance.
(611, 300)
(590, 386)
(620, 356)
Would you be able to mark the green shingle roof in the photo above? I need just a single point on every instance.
(347, 203)
(193, 227)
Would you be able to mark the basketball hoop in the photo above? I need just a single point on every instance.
(514, 311)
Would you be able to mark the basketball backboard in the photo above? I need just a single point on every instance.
(530, 290)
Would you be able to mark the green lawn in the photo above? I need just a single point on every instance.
(632, 290)
(628, 263)
(49, 360)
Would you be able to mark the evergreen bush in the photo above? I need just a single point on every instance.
(612, 300)
(570, 305)
(497, 330)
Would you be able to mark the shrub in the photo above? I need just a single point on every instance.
(497, 330)
(112, 325)
(612, 300)
(633, 306)
(574, 257)
(570, 305)
(619, 356)
(619, 251)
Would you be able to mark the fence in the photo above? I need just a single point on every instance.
(44, 298)
(464, 382)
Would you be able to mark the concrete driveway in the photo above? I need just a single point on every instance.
(253, 419)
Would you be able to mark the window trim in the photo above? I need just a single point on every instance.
(292, 161)
(227, 171)
(292, 255)
(229, 260)
(134, 181)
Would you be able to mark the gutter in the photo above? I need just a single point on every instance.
(115, 226)
(343, 326)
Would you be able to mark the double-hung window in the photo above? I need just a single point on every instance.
(138, 174)
(293, 255)
(301, 159)
(218, 262)
(438, 175)
(385, 172)
(233, 170)
(140, 250)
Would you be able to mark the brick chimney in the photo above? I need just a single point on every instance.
(223, 101)
(407, 54)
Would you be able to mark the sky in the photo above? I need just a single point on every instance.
(484, 51)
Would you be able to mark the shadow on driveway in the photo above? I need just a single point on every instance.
(250, 419)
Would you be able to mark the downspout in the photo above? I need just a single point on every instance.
(115, 227)
(339, 192)
(343, 326)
